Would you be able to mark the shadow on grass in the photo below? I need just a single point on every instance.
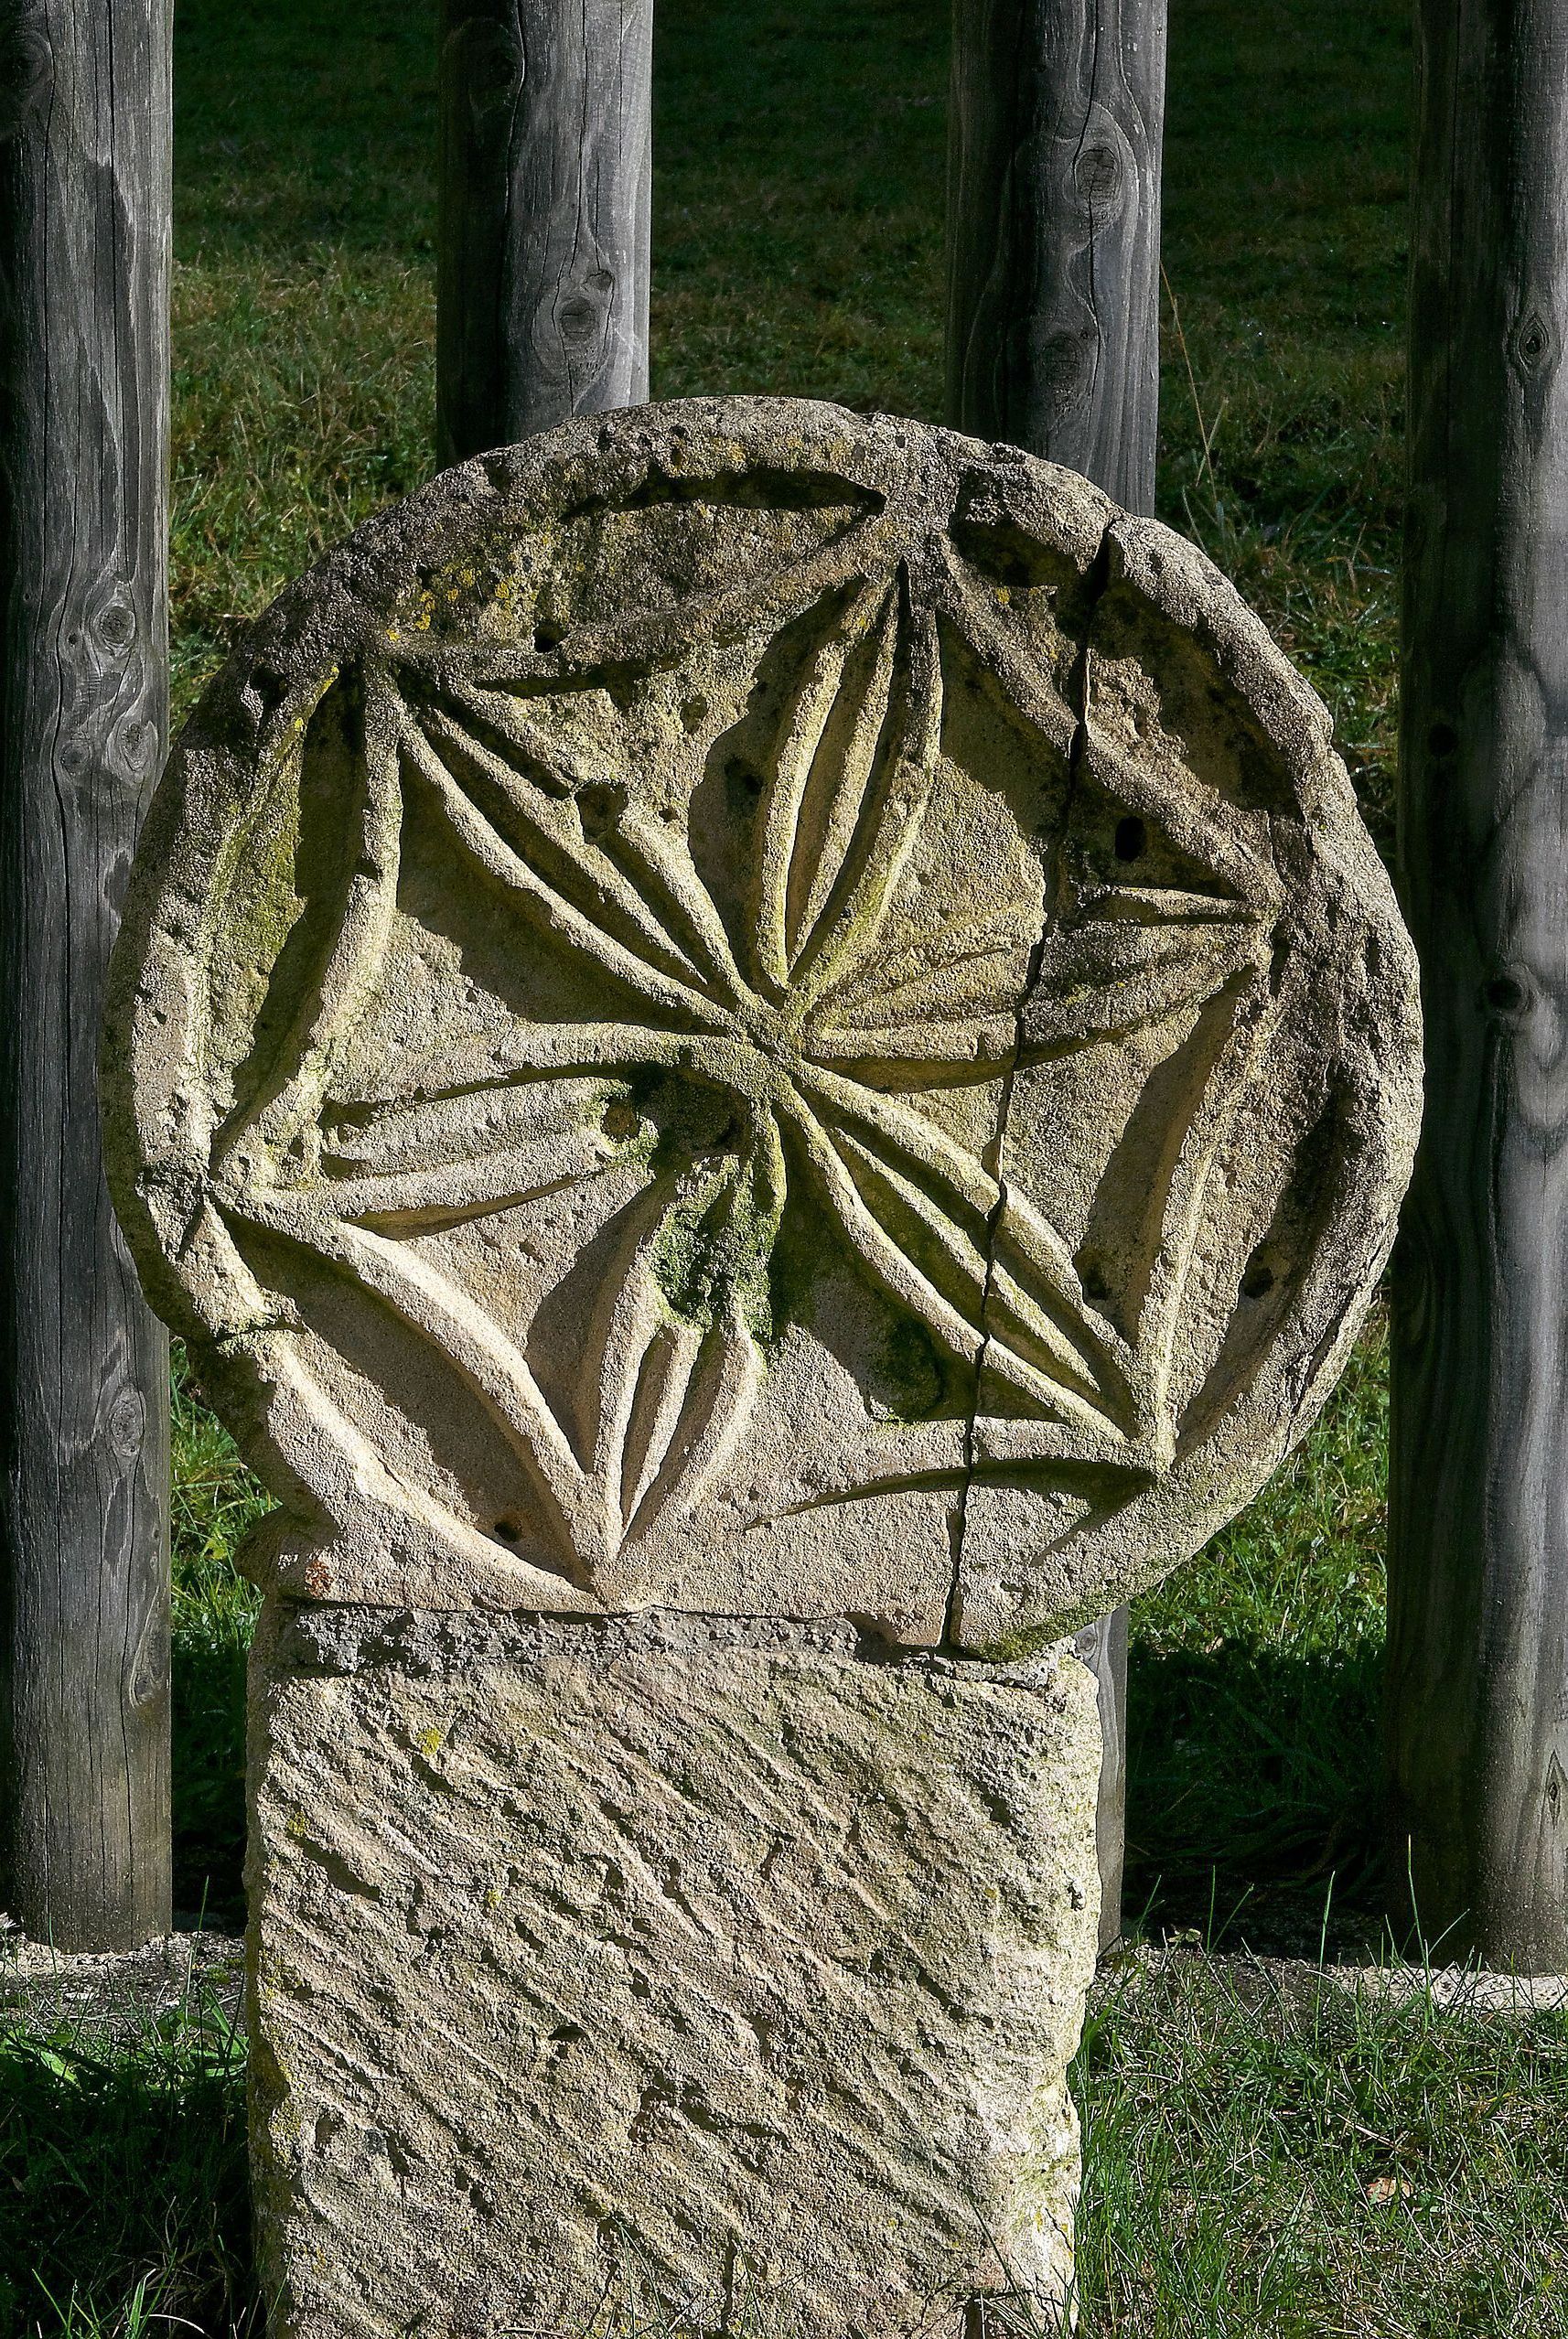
(1252, 1798)
(298, 128)
(216, 1503)
(122, 2198)
(209, 1780)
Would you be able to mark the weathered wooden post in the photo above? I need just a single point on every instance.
(1055, 141)
(543, 245)
(84, 257)
(1477, 1682)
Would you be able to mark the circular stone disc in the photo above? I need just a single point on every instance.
(750, 1010)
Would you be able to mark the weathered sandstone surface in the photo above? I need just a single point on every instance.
(765, 1063)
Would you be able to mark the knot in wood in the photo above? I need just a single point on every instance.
(1099, 173)
(27, 70)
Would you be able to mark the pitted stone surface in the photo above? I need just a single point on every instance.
(598, 1968)
(752, 1010)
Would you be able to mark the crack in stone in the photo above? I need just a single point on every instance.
(1097, 581)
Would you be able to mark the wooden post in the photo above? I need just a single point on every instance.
(544, 233)
(1057, 112)
(1477, 1678)
(84, 259)
(1056, 126)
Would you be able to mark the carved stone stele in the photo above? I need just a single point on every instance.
(748, 1009)
(765, 1063)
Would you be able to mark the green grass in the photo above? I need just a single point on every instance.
(1254, 2168)
(1260, 2166)
(123, 2201)
(1319, 2167)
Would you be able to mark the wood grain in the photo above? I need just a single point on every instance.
(1056, 125)
(84, 258)
(1477, 1683)
(543, 239)
(1056, 128)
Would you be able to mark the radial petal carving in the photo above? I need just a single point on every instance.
(727, 1090)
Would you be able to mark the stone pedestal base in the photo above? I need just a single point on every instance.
(596, 1963)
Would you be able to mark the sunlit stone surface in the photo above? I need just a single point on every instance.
(738, 1013)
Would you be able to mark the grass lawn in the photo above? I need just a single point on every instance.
(1254, 2167)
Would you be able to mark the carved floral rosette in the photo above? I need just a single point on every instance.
(749, 1010)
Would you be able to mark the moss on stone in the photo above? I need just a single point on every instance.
(914, 1373)
(711, 1254)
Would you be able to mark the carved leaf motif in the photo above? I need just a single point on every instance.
(850, 782)
(336, 945)
(677, 1360)
(581, 902)
(795, 1054)
(676, 1398)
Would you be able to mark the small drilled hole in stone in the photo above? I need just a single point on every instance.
(1258, 1282)
(1132, 837)
(505, 1531)
(1441, 739)
(601, 806)
(1092, 1275)
(1506, 993)
(548, 634)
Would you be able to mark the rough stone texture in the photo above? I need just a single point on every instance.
(737, 1014)
(588, 1957)
(750, 1010)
